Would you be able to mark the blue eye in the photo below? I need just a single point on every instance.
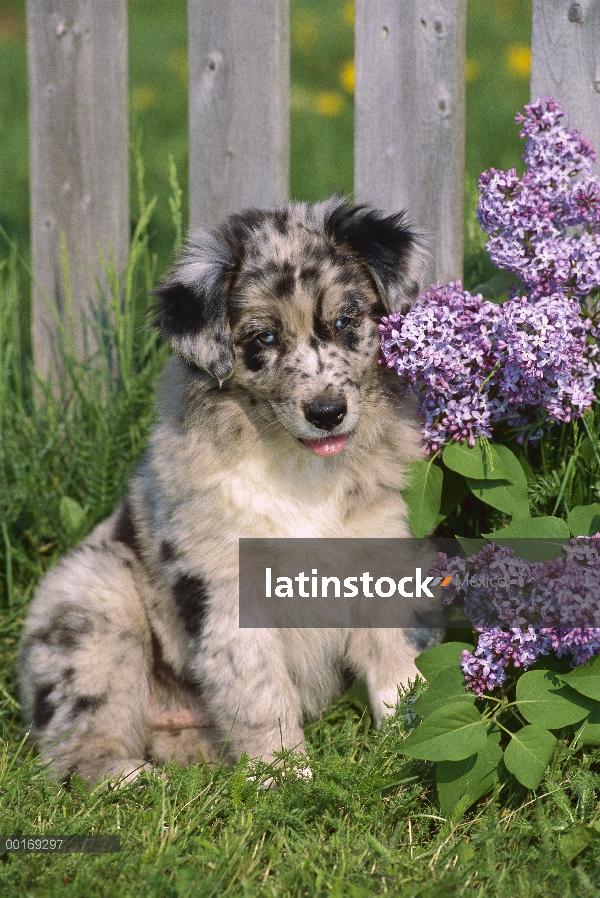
(267, 338)
(342, 323)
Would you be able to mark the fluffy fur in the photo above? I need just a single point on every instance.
(131, 652)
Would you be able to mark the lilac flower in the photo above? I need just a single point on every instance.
(473, 364)
(522, 610)
(544, 227)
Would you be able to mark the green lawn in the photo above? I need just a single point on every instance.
(367, 824)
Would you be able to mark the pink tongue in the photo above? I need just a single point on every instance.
(328, 446)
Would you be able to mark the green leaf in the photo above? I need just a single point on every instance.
(471, 778)
(586, 451)
(586, 678)
(584, 520)
(576, 839)
(465, 852)
(551, 662)
(503, 495)
(72, 515)
(471, 546)
(528, 754)
(509, 489)
(448, 734)
(533, 528)
(423, 496)
(496, 289)
(589, 734)
(448, 686)
(482, 461)
(454, 491)
(543, 700)
(432, 661)
(493, 474)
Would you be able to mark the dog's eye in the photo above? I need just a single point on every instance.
(342, 323)
(267, 338)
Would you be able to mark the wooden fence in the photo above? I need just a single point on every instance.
(409, 121)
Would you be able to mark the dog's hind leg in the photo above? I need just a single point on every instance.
(83, 666)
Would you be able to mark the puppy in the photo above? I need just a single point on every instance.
(275, 421)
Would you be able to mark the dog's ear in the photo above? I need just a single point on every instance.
(191, 308)
(386, 246)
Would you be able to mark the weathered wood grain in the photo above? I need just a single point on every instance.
(239, 106)
(410, 119)
(77, 57)
(565, 45)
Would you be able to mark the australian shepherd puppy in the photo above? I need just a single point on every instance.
(275, 420)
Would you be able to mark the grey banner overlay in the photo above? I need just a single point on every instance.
(76, 844)
(407, 583)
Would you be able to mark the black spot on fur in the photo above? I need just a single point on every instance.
(280, 219)
(382, 243)
(346, 277)
(285, 284)
(163, 673)
(167, 551)
(43, 709)
(349, 339)
(68, 674)
(125, 530)
(191, 596)
(320, 329)
(348, 678)
(182, 310)
(88, 703)
(309, 275)
(255, 356)
(67, 626)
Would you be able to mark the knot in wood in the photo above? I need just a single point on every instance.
(575, 14)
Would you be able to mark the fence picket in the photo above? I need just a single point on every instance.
(409, 123)
(565, 43)
(239, 106)
(410, 118)
(79, 156)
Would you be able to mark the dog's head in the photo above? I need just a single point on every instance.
(286, 303)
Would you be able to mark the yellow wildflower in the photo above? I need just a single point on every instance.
(305, 32)
(329, 103)
(144, 97)
(473, 70)
(347, 76)
(178, 60)
(519, 60)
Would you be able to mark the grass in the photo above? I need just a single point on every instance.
(367, 823)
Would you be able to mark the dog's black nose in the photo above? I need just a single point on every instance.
(325, 414)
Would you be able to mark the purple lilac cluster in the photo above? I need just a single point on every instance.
(473, 363)
(544, 227)
(536, 608)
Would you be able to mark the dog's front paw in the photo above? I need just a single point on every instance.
(126, 770)
(384, 704)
